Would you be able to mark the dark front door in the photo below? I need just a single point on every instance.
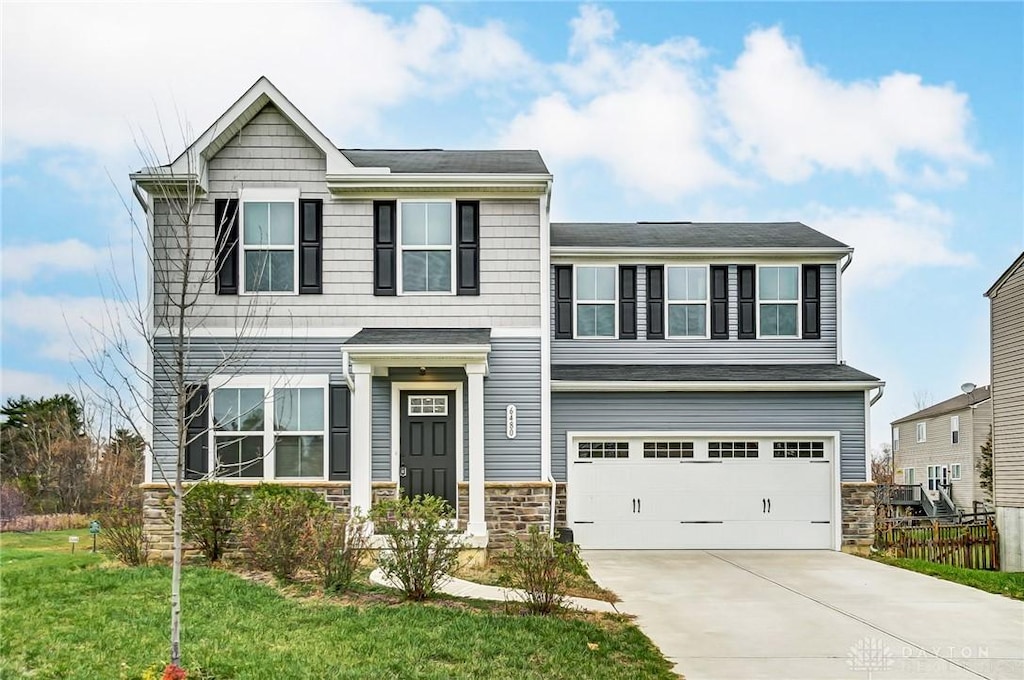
(427, 461)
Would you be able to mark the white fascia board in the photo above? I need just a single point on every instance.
(357, 351)
(826, 255)
(349, 183)
(707, 386)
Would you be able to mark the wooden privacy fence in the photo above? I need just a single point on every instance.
(971, 545)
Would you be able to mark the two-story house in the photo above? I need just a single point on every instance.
(1006, 298)
(939, 447)
(383, 321)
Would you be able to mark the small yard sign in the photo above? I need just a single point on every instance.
(94, 528)
(73, 540)
(510, 421)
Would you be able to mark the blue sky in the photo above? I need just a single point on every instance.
(894, 127)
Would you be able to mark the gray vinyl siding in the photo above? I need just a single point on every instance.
(665, 411)
(1008, 391)
(733, 350)
(270, 152)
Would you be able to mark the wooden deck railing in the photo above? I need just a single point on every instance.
(972, 545)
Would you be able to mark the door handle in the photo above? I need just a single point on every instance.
(769, 506)
(764, 506)
(634, 506)
(638, 505)
(402, 471)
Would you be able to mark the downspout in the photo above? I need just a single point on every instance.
(554, 507)
(140, 197)
(881, 391)
(347, 373)
(849, 259)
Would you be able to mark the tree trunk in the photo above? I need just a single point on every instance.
(176, 577)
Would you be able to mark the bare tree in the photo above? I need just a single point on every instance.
(922, 399)
(881, 466)
(142, 368)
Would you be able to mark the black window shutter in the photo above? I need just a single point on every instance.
(627, 302)
(341, 432)
(655, 302)
(812, 301)
(720, 302)
(468, 245)
(311, 246)
(563, 301)
(197, 446)
(747, 301)
(225, 212)
(385, 247)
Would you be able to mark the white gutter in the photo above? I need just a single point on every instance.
(349, 380)
(849, 259)
(881, 391)
(620, 251)
(707, 386)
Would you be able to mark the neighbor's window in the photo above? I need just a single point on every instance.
(922, 432)
(687, 301)
(778, 291)
(955, 471)
(595, 302)
(268, 246)
(954, 430)
(426, 245)
(908, 476)
(282, 425)
(895, 439)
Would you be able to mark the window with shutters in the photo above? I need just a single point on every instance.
(778, 301)
(687, 301)
(269, 239)
(426, 247)
(595, 302)
(270, 428)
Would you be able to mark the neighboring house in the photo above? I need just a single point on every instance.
(941, 445)
(1007, 313)
(671, 385)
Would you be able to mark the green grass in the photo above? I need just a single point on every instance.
(65, 616)
(1010, 584)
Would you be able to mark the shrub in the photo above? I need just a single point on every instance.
(422, 549)
(207, 516)
(334, 548)
(121, 535)
(542, 569)
(273, 526)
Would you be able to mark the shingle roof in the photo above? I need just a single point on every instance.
(689, 235)
(441, 161)
(957, 403)
(421, 336)
(712, 373)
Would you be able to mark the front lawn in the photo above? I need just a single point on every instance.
(1010, 584)
(65, 616)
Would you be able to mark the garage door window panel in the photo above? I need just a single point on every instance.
(602, 449)
(732, 449)
(687, 302)
(798, 449)
(668, 449)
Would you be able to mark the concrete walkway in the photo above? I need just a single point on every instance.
(811, 615)
(458, 587)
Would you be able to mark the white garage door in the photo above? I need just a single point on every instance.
(661, 492)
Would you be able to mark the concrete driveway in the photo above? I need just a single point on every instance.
(811, 615)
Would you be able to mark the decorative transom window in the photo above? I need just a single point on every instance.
(668, 449)
(778, 293)
(602, 449)
(269, 235)
(922, 432)
(426, 246)
(428, 405)
(955, 471)
(265, 431)
(687, 298)
(732, 449)
(954, 430)
(798, 449)
(595, 302)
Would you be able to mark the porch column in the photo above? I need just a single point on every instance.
(361, 494)
(476, 525)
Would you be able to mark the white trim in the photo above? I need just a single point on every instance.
(361, 428)
(955, 472)
(450, 248)
(956, 430)
(149, 406)
(835, 459)
(481, 185)
(921, 432)
(269, 195)
(796, 303)
(706, 302)
(545, 343)
(519, 331)
(867, 435)
(396, 426)
(832, 254)
(839, 311)
(576, 302)
(476, 524)
(297, 332)
(708, 386)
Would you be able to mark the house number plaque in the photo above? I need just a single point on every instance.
(510, 421)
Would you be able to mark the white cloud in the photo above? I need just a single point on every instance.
(27, 262)
(62, 327)
(15, 383)
(791, 119)
(889, 242)
(637, 110)
(92, 79)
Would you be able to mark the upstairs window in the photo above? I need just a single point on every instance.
(895, 439)
(426, 247)
(922, 433)
(687, 302)
(269, 236)
(954, 430)
(778, 293)
(595, 302)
